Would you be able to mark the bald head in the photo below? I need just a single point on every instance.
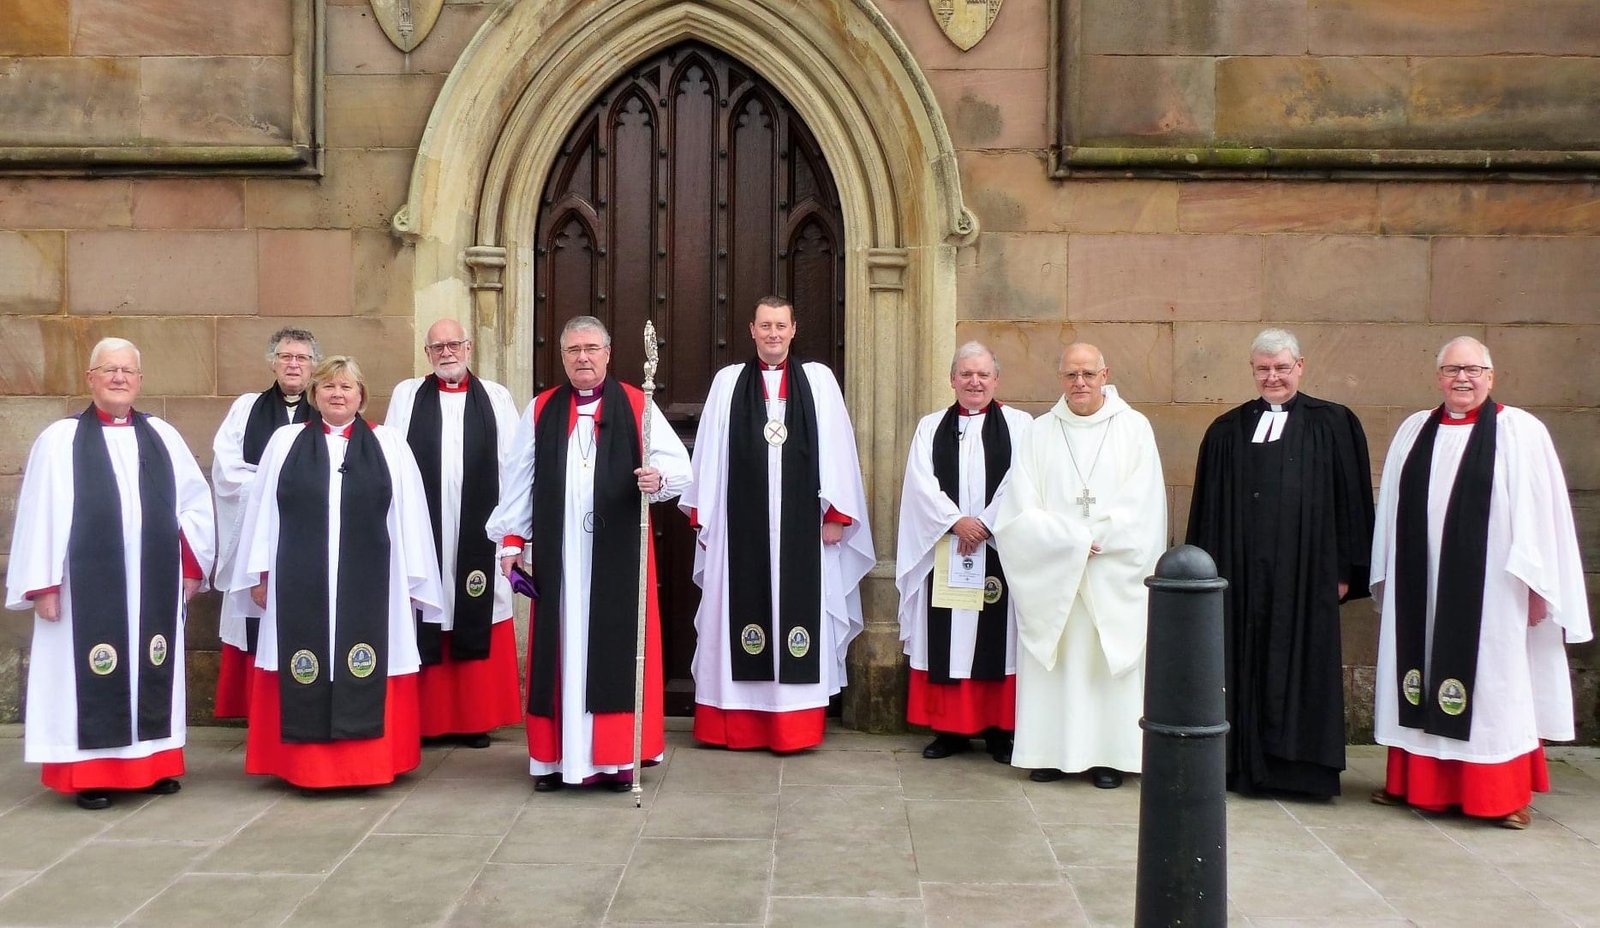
(1084, 374)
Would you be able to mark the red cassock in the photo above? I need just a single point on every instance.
(963, 707)
(328, 764)
(1484, 790)
(466, 697)
(233, 684)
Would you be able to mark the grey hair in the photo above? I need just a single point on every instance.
(972, 350)
(1465, 340)
(110, 344)
(1272, 341)
(1062, 357)
(292, 334)
(583, 322)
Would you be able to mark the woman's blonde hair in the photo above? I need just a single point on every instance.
(331, 367)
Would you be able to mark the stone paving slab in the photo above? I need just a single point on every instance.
(861, 832)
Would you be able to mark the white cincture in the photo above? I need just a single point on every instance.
(1270, 426)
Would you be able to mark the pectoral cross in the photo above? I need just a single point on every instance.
(1085, 500)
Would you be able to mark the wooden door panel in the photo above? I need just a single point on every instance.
(686, 191)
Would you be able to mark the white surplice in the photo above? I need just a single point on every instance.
(1523, 690)
(231, 477)
(413, 572)
(39, 561)
(1081, 617)
(514, 516)
(843, 564)
(452, 410)
(926, 515)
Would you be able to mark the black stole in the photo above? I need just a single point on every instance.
(480, 488)
(750, 568)
(1439, 701)
(613, 581)
(267, 415)
(339, 696)
(989, 651)
(97, 573)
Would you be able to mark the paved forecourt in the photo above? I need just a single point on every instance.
(861, 832)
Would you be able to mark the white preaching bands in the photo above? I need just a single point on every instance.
(1270, 426)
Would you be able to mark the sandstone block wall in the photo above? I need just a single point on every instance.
(1171, 278)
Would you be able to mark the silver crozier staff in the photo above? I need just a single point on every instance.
(649, 387)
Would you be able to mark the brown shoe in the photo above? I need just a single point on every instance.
(1383, 797)
(1518, 820)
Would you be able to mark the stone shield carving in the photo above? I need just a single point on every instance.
(965, 22)
(406, 22)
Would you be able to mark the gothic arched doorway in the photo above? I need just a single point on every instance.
(687, 190)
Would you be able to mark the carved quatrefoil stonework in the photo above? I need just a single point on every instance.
(406, 22)
(965, 22)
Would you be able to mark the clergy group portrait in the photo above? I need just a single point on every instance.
(369, 572)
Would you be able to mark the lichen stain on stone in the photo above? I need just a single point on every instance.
(977, 120)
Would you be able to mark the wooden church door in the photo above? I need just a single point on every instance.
(686, 191)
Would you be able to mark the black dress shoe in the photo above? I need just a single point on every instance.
(943, 745)
(165, 786)
(1105, 777)
(548, 783)
(1046, 775)
(998, 744)
(617, 786)
(94, 799)
(479, 740)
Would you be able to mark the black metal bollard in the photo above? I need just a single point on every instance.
(1183, 849)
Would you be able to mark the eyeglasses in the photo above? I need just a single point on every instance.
(452, 347)
(1282, 370)
(289, 357)
(114, 371)
(575, 351)
(1473, 371)
(1074, 376)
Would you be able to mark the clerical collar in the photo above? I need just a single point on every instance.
(588, 397)
(292, 401)
(447, 387)
(107, 418)
(781, 365)
(971, 412)
(343, 431)
(1465, 418)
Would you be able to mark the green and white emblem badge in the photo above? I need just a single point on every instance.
(477, 583)
(1412, 687)
(303, 667)
(102, 659)
(753, 638)
(362, 660)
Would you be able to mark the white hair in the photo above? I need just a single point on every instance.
(973, 350)
(106, 345)
(1465, 340)
(292, 334)
(585, 323)
(1272, 341)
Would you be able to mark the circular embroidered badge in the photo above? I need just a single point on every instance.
(775, 432)
(102, 659)
(1412, 687)
(362, 660)
(992, 590)
(477, 583)
(303, 667)
(158, 650)
(753, 638)
(799, 641)
(1453, 697)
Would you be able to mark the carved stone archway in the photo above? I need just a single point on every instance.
(532, 69)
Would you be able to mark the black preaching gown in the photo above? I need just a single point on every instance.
(1286, 522)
